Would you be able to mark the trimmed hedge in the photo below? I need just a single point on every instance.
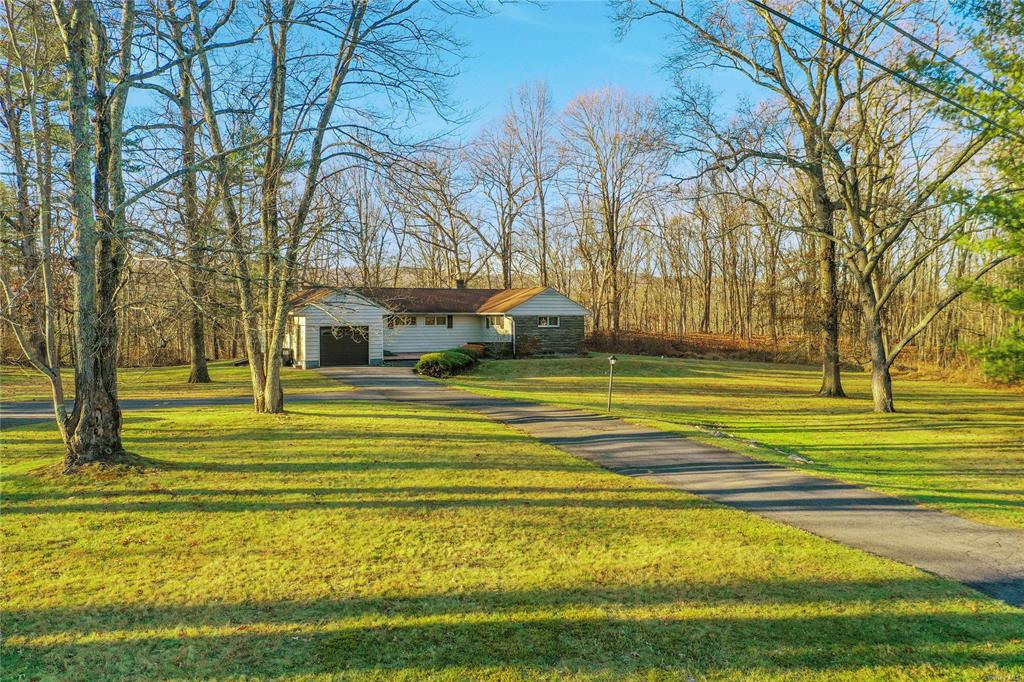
(444, 364)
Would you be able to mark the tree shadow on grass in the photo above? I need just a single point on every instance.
(909, 423)
(318, 438)
(744, 629)
(416, 490)
(356, 465)
(404, 417)
(254, 501)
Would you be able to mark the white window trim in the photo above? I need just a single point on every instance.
(548, 318)
(428, 323)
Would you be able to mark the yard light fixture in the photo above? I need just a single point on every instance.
(611, 374)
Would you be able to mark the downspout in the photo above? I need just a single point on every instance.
(513, 337)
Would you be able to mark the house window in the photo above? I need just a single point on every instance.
(494, 321)
(547, 321)
(436, 320)
(401, 321)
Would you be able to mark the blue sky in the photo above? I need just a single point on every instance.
(569, 44)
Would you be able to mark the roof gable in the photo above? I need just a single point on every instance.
(541, 301)
(507, 299)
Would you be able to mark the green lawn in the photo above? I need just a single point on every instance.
(958, 448)
(370, 541)
(24, 383)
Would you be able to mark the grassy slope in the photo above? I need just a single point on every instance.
(372, 540)
(954, 447)
(20, 383)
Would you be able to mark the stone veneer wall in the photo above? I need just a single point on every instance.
(566, 339)
(497, 349)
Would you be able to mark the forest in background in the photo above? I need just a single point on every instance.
(174, 171)
(698, 256)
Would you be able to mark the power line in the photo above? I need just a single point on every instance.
(937, 53)
(895, 74)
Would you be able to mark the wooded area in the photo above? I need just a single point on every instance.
(175, 170)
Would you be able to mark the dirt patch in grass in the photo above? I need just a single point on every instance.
(123, 465)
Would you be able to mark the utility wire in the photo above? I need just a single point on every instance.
(937, 53)
(895, 74)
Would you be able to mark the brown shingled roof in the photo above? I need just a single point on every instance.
(309, 296)
(429, 300)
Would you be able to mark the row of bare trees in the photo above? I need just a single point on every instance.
(175, 170)
(240, 110)
(826, 216)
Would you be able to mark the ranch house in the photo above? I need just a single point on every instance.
(331, 326)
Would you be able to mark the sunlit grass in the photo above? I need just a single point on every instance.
(959, 448)
(366, 541)
(24, 383)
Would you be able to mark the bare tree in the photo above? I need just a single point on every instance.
(893, 174)
(96, 47)
(534, 128)
(499, 170)
(437, 203)
(854, 138)
(615, 149)
(98, 199)
(29, 91)
(191, 220)
(390, 50)
(808, 77)
(362, 224)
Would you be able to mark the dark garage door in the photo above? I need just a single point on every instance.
(344, 346)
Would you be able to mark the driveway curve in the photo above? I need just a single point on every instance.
(988, 558)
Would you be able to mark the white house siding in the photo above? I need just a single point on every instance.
(422, 339)
(342, 309)
(502, 334)
(549, 302)
(293, 338)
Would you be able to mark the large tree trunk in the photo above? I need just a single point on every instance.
(94, 426)
(881, 379)
(828, 292)
(273, 393)
(95, 422)
(831, 381)
(198, 371)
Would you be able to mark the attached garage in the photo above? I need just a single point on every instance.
(336, 328)
(344, 345)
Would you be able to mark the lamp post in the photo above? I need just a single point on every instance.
(611, 374)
